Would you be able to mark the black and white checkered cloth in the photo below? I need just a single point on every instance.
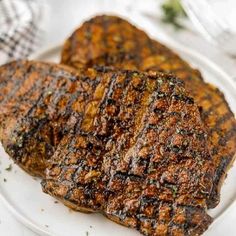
(20, 30)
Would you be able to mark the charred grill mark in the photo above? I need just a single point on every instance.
(119, 182)
(104, 26)
(16, 149)
(36, 103)
(4, 82)
(206, 113)
(88, 37)
(228, 136)
(151, 55)
(137, 47)
(109, 92)
(221, 170)
(32, 136)
(125, 89)
(220, 121)
(125, 176)
(205, 97)
(17, 84)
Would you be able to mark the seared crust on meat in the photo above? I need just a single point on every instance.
(112, 41)
(36, 102)
(139, 155)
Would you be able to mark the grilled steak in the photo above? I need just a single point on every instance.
(112, 41)
(139, 156)
(36, 102)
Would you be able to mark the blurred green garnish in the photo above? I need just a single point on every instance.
(172, 12)
(9, 168)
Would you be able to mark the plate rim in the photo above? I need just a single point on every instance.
(18, 215)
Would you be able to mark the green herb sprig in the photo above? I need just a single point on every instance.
(172, 12)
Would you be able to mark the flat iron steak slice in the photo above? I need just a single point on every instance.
(37, 100)
(112, 41)
(139, 156)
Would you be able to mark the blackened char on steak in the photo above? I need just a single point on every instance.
(112, 41)
(139, 156)
(37, 100)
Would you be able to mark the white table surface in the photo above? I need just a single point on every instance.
(63, 17)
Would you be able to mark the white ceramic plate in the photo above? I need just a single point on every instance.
(23, 196)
